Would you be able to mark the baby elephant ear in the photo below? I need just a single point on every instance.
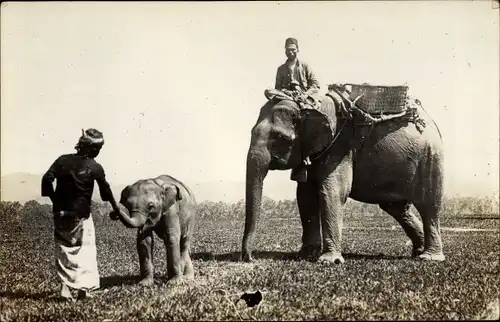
(179, 195)
(169, 189)
(124, 194)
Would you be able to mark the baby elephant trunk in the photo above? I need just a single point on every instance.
(135, 219)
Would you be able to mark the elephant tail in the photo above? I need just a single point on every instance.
(417, 101)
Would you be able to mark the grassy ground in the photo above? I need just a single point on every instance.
(379, 281)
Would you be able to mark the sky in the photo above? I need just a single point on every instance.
(177, 87)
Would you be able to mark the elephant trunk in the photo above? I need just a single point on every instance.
(257, 168)
(135, 220)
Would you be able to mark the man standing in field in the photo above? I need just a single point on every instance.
(75, 247)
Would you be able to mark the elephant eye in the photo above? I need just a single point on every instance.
(281, 136)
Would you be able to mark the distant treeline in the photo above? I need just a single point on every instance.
(453, 207)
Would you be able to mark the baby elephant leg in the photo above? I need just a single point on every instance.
(145, 250)
(172, 241)
(187, 265)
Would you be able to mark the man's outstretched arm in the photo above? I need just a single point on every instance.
(104, 187)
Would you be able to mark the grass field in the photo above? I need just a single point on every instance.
(379, 281)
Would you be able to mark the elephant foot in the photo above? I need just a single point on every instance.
(331, 258)
(309, 252)
(417, 251)
(246, 257)
(176, 280)
(189, 275)
(426, 256)
(146, 281)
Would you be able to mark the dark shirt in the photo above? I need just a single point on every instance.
(75, 175)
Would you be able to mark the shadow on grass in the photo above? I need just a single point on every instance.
(286, 256)
(476, 217)
(47, 296)
(116, 280)
(374, 257)
(27, 296)
(106, 282)
(235, 256)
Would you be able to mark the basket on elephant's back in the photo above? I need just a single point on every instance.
(380, 99)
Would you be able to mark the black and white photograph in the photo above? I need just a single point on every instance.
(250, 160)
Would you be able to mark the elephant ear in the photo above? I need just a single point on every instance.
(170, 192)
(317, 128)
(124, 195)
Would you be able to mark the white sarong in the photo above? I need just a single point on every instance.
(76, 253)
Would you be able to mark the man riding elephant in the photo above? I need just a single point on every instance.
(393, 160)
(391, 155)
(295, 80)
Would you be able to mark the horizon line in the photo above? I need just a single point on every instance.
(495, 193)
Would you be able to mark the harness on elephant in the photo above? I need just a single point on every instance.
(408, 113)
(352, 112)
(347, 110)
(360, 118)
(302, 99)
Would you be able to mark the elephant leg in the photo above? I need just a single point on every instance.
(433, 247)
(187, 265)
(428, 201)
(333, 195)
(308, 204)
(172, 240)
(145, 246)
(409, 222)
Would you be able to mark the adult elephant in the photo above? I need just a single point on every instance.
(394, 164)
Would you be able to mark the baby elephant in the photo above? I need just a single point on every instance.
(167, 207)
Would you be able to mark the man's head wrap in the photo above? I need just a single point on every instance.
(291, 41)
(91, 138)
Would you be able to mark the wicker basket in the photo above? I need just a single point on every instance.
(379, 99)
